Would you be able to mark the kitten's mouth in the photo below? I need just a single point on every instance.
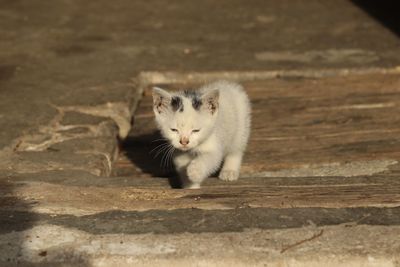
(184, 148)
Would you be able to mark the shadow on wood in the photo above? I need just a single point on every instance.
(386, 11)
(148, 153)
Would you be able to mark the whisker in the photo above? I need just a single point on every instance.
(162, 150)
(167, 157)
(162, 160)
(159, 146)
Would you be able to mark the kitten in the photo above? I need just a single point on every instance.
(207, 127)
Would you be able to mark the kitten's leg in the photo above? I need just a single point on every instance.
(181, 161)
(203, 166)
(231, 168)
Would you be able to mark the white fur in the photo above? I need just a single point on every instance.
(222, 137)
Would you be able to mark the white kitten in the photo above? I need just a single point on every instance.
(208, 126)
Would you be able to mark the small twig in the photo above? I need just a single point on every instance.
(17, 145)
(302, 241)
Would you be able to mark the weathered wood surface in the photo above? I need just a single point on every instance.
(151, 193)
(328, 142)
(331, 142)
(298, 123)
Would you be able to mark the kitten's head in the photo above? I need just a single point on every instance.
(186, 118)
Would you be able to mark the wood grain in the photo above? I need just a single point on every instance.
(313, 126)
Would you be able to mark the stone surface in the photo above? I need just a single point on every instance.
(66, 53)
(343, 203)
(320, 180)
(336, 246)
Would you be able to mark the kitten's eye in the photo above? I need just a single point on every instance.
(174, 130)
(196, 131)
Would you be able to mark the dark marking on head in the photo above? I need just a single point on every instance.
(177, 104)
(196, 103)
(190, 93)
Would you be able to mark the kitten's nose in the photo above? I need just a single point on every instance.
(184, 141)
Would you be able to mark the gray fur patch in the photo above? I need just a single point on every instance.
(196, 103)
(191, 93)
(177, 104)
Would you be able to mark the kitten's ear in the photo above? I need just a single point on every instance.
(161, 99)
(210, 100)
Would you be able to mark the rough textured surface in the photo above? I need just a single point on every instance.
(320, 180)
(334, 126)
(336, 246)
(55, 51)
(309, 183)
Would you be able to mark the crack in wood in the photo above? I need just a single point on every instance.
(284, 249)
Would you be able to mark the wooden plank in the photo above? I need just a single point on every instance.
(336, 126)
(154, 193)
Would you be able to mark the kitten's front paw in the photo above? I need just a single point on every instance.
(195, 172)
(229, 175)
